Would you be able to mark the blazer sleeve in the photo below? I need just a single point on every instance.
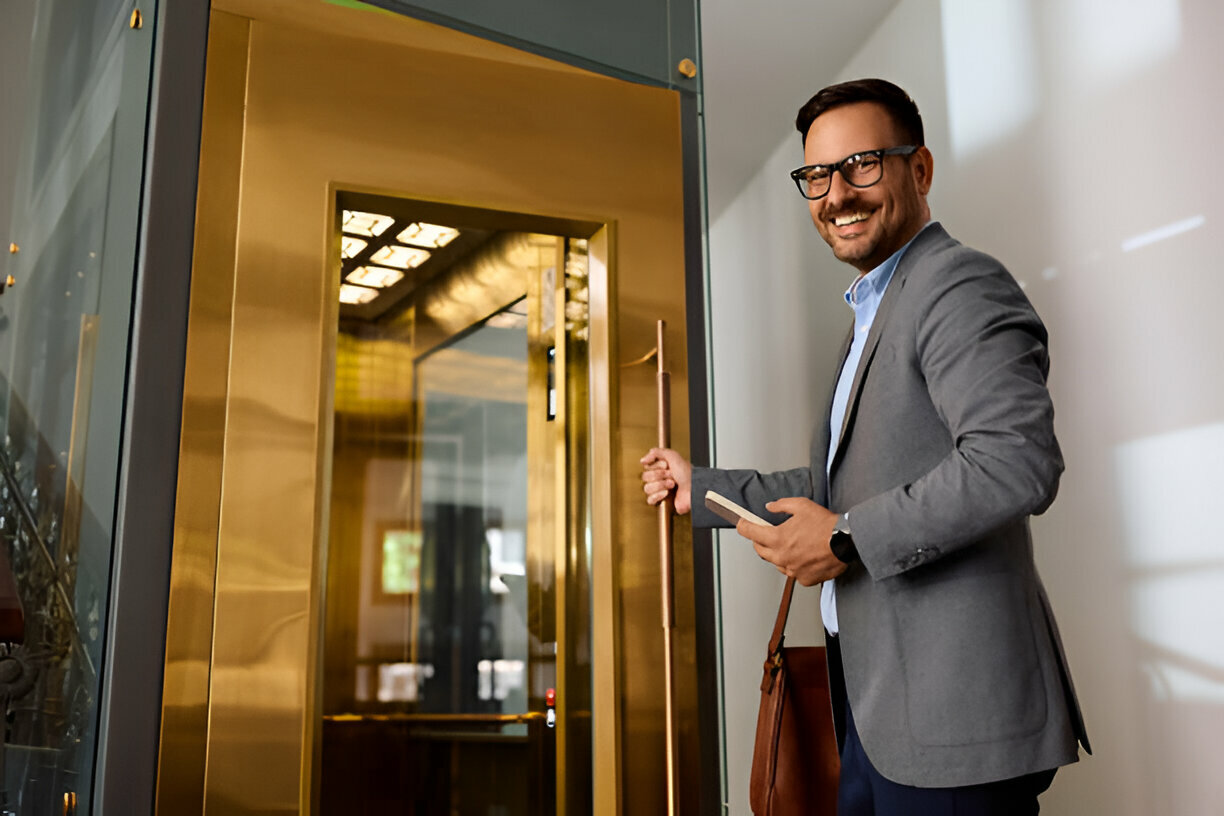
(749, 489)
(982, 351)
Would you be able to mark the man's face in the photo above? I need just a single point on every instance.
(864, 226)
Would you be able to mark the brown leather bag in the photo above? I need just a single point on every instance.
(794, 759)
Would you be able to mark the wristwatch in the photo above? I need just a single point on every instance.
(841, 542)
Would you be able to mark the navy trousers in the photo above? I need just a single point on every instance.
(863, 791)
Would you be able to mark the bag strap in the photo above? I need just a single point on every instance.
(773, 659)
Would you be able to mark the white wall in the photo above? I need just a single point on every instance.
(1078, 143)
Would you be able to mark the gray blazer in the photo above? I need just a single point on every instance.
(953, 664)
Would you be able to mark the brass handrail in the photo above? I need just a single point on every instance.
(482, 719)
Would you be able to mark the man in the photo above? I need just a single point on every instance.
(950, 690)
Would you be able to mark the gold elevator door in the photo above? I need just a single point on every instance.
(404, 518)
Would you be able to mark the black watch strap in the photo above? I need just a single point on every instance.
(841, 542)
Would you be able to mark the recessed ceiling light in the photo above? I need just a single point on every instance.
(428, 235)
(401, 257)
(364, 223)
(356, 295)
(351, 247)
(380, 277)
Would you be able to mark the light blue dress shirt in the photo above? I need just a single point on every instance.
(863, 296)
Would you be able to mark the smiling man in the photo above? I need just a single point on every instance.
(950, 690)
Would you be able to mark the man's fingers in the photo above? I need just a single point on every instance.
(789, 505)
(757, 533)
(654, 455)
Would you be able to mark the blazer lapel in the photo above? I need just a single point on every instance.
(932, 234)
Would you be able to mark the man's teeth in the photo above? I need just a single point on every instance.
(843, 220)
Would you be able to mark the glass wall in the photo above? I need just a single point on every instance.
(641, 40)
(64, 326)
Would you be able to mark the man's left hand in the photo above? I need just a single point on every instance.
(799, 546)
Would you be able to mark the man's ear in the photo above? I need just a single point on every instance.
(924, 169)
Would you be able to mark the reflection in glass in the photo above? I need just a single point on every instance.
(63, 367)
(473, 396)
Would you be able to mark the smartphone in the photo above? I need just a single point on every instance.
(726, 509)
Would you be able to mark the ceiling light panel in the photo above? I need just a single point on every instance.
(356, 295)
(401, 257)
(380, 277)
(350, 247)
(370, 225)
(432, 236)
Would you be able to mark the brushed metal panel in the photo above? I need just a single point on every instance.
(394, 106)
(189, 626)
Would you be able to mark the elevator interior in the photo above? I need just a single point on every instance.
(460, 475)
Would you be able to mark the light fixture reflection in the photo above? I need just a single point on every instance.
(379, 277)
(433, 236)
(351, 246)
(401, 257)
(369, 224)
(356, 295)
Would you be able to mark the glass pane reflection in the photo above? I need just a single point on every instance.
(63, 365)
(473, 395)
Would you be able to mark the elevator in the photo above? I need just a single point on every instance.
(412, 570)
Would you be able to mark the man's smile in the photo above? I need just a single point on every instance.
(850, 218)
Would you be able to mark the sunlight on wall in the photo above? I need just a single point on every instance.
(1138, 33)
(1168, 492)
(1162, 233)
(991, 63)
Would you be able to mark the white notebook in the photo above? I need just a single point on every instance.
(728, 510)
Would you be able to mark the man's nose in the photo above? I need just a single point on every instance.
(839, 190)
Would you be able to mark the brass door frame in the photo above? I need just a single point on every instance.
(440, 116)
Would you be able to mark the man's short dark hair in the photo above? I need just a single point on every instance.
(897, 102)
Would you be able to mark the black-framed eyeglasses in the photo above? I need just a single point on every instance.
(860, 170)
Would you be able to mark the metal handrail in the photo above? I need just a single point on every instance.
(478, 719)
(27, 516)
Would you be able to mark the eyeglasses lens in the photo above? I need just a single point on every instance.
(858, 171)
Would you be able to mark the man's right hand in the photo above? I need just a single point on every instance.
(664, 469)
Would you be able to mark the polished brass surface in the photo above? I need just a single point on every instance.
(544, 581)
(449, 118)
(665, 512)
(14, 249)
(185, 696)
(575, 749)
(492, 719)
(137, 19)
(687, 68)
(608, 702)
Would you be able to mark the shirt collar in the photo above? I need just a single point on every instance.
(873, 284)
